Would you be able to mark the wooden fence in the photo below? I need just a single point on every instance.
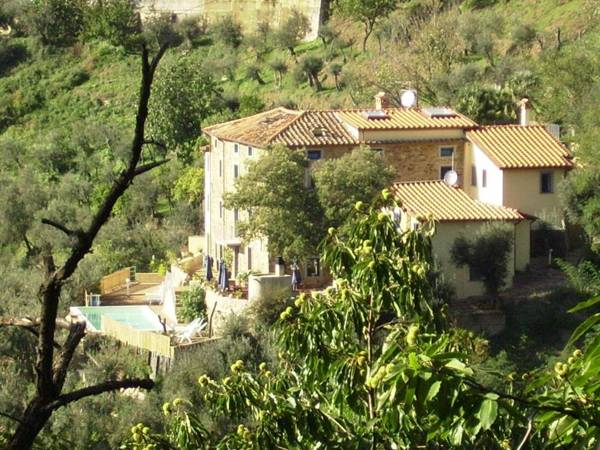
(147, 340)
(115, 280)
(149, 278)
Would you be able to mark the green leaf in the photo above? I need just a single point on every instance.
(583, 328)
(487, 413)
(433, 390)
(586, 304)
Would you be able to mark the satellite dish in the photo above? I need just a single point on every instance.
(451, 178)
(408, 98)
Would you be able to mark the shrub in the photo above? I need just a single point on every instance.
(228, 31)
(253, 73)
(193, 303)
(266, 310)
(11, 54)
(524, 34)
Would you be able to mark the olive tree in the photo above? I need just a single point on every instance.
(486, 254)
(368, 12)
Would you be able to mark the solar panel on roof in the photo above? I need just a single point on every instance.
(374, 115)
(439, 112)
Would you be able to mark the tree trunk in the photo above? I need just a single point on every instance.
(368, 31)
(33, 421)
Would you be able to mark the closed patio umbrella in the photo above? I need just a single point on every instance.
(223, 277)
(208, 262)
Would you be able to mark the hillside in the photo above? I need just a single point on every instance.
(57, 88)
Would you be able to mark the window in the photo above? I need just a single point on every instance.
(546, 183)
(221, 210)
(446, 152)
(220, 168)
(216, 143)
(236, 171)
(236, 148)
(236, 215)
(249, 151)
(313, 155)
(484, 178)
(444, 170)
(313, 267)
(475, 274)
(249, 252)
(473, 175)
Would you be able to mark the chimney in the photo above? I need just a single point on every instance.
(523, 111)
(382, 100)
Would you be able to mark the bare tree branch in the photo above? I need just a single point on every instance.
(49, 375)
(60, 226)
(156, 143)
(146, 167)
(10, 416)
(76, 333)
(107, 386)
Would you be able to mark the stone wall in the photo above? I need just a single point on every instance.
(422, 161)
(248, 12)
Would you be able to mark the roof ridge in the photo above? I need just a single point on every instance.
(234, 121)
(271, 138)
(508, 125)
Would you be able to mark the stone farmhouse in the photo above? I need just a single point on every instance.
(505, 173)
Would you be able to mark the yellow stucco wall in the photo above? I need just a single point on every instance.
(493, 191)
(522, 245)
(521, 190)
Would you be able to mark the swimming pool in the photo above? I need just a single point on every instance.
(138, 317)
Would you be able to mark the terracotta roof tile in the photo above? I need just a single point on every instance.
(444, 203)
(315, 128)
(520, 147)
(258, 129)
(325, 127)
(403, 118)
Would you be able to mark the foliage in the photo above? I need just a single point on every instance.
(355, 176)
(266, 310)
(228, 31)
(292, 31)
(193, 303)
(581, 196)
(189, 187)
(192, 29)
(486, 253)
(56, 22)
(359, 357)
(368, 12)
(312, 66)
(583, 277)
(115, 21)
(487, 104)
(280, 207)
(184, 97)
